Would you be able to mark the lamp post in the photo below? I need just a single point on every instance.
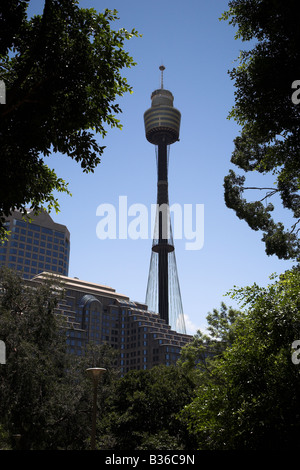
(95, 374)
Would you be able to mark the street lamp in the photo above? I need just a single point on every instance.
(95, 374)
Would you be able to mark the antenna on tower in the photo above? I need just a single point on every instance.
(162, 68)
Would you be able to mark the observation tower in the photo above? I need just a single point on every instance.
(162, 124)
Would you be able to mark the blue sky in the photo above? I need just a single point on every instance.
(197, 51)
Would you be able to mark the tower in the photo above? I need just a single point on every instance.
(162, 124)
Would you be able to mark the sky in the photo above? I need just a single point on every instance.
(197, 51)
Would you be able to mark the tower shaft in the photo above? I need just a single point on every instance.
(163, 247)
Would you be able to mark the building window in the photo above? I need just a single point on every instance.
(47, 230)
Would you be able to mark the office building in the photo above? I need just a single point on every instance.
(36, 244)
(98, 314)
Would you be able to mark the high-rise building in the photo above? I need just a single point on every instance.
(36, 244)
(98, 314)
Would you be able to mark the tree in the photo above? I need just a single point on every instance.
(200, 353)
(143, 412)
(46, 395)
(251, 400)
(62, 72)
(266, 108)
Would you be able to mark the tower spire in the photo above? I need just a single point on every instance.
(162, 68)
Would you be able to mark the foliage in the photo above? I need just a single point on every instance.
(62, 72)
(46, 395)
(204, 349)
(269, 118)
(143, 412)
(252, 398)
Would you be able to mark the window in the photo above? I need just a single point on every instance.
(20, 223)
(47, 230)
(59, 234)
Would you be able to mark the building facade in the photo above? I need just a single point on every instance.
(35, 246)
(98, 314)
